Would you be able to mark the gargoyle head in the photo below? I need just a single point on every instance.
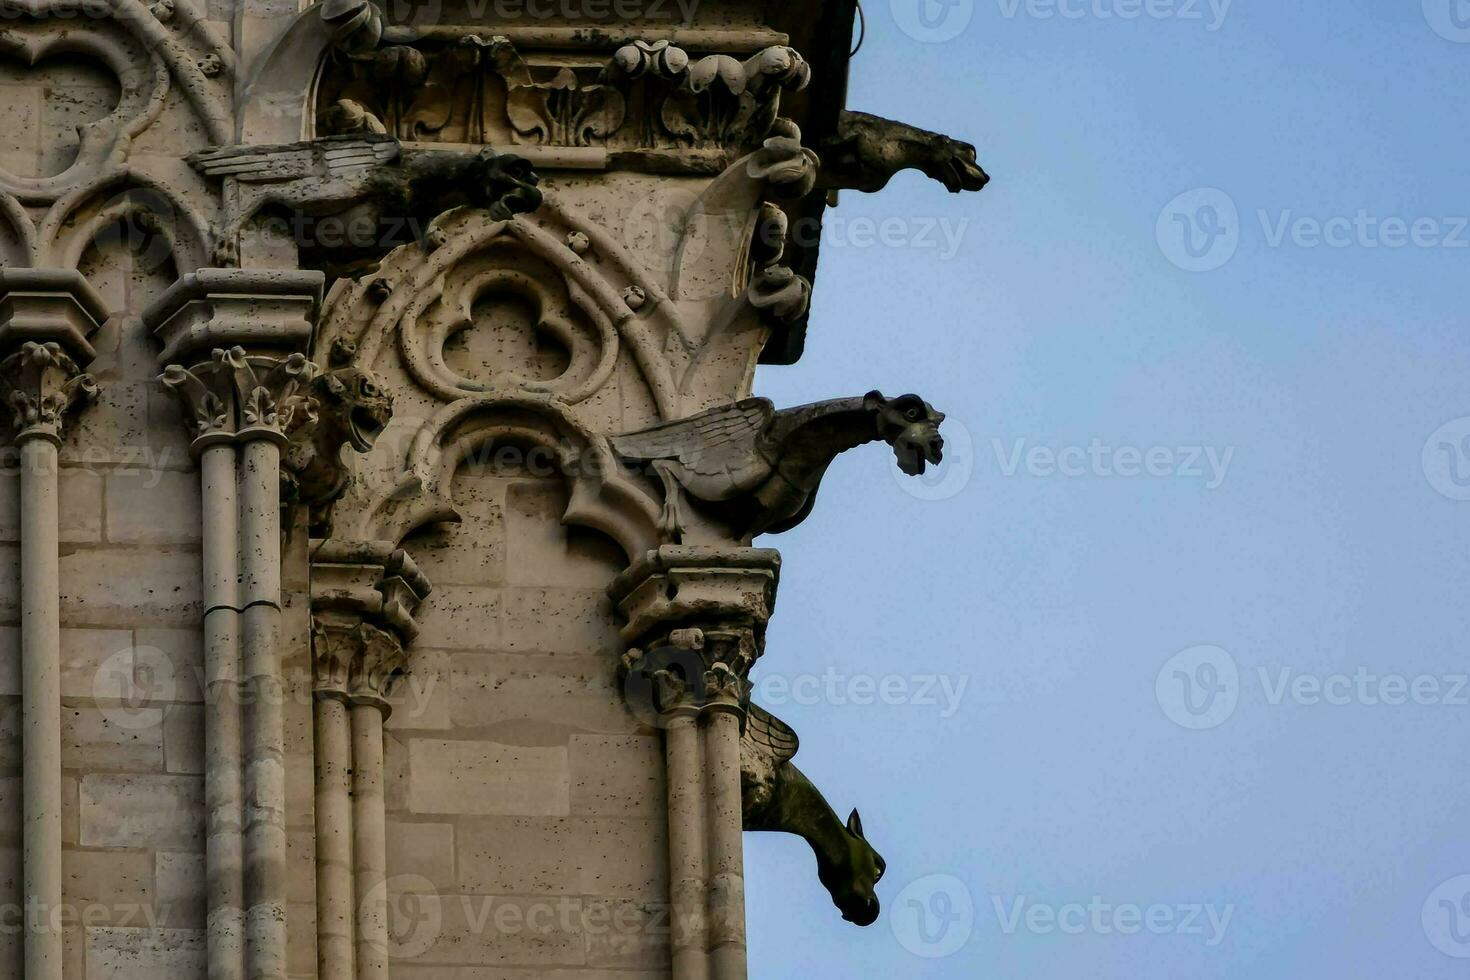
(853, 886)
(354, 405)
(953, 164)
(507, 184)
(911, 426)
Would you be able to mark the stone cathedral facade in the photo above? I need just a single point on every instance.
(377, 580)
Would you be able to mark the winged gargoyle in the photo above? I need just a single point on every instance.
(760, 468)
(365, 180)
(867, 150)
(775, 795)
(344, 407)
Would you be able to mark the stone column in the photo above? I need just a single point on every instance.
(233, 343)
(696, 619)
(363, 595)
(46, 319)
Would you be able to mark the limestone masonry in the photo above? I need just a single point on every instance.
(378, 593)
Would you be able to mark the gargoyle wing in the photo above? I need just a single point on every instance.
(325, 158)
(771, 734)
(717, 442)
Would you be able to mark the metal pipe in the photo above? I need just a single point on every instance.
(370, 835)
(334, 912)
(265, 771)
(726, 861)
(687, 870)
(222, 742)
(40, 575)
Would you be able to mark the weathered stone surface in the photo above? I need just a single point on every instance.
(145, 954)
(142, 811)
(128, 739)
(619, 858)
(617, 775)
(153, 506)
(179, 887)
(487, 778)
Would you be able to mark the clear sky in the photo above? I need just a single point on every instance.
(1203, 720)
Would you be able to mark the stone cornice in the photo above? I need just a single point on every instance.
(260, 310)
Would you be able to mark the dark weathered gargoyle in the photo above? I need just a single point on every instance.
(378, 195)
(775, 795)
(866, 151)
(759, 468)
(348, 406)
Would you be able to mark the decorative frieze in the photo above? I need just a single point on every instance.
(478, 89)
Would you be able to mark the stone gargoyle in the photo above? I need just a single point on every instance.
(345, 407)
(776, 796)
(377, 194)
(867, 150)
(759, 468)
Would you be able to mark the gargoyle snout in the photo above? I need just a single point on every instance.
(862, 915)
(918, 445)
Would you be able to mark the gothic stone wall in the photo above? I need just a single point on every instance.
(525, 803)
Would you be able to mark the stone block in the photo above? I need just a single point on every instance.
(460, 618)
(422, 849)
(487, 778)
(499, 691)
(145, 954)
(179, 885)
(621, 775)
(102, 587)
(152, 506)
(165, 812)
(624, 859)
(183, 738)
(112, 738)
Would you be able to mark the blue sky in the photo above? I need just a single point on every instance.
(1202, 718)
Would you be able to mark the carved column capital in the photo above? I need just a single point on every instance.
(238, 396)
(47, 317)
(696, 619)
(363, 595)
(42, 384)
(233, 343)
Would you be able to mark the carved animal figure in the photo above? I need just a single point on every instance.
(376, 190)
(345, 407)
(775, 795)
(760, 468)
(866, 151)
